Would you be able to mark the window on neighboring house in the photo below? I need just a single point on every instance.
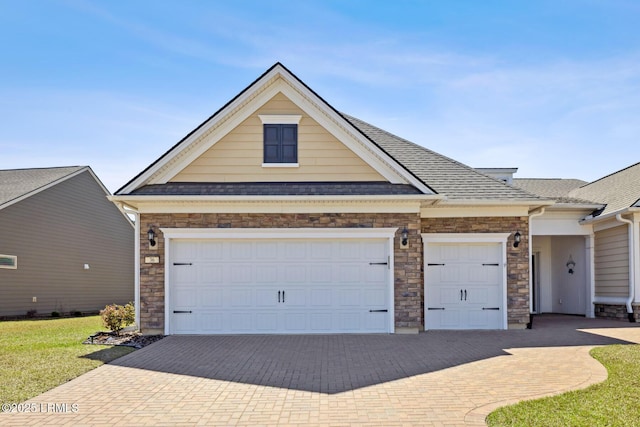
(280, 144)
(9, 261)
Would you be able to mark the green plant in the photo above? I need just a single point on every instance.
(115, 317)
(55, 314)
(76, 313)
(31, 314)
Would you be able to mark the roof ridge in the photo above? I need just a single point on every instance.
(43, 168)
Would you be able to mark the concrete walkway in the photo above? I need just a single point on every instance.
(435, 378)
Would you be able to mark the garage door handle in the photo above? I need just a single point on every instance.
(435, 308)
(182, 311)
(278, 296)
(491, 308)
(378, 311)
(433, 264)
(495, 265)
(182, 263)
(378, 263)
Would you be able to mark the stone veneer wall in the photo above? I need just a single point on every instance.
(616, 311)
(408, 284)
(517, 258)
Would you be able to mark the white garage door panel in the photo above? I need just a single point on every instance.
(279, 286)
(463, 286)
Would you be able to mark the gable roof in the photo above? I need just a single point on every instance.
(619, 190)
(557, 189)
(398, 160)
(18, 184)
(276, 79)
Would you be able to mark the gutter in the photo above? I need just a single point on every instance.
(631, 267)
(531, 284)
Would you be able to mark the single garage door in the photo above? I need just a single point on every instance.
(464, 286)
(241, 286)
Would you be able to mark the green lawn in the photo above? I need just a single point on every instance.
(37, 355)
(615, 402)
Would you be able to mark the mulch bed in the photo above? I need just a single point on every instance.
(129, 339)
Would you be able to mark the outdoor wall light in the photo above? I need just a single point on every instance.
(405, 237)
(516, 239)
(571, 264)
(152, 236)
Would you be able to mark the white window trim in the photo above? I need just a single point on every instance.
(280, 119)
(281, 165)
(10, 267)
(170, 234)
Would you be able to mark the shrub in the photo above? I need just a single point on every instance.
(76, 313)
(31, 313)
(55, 314)
(115, 317)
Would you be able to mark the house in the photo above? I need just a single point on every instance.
(586, 247)
(280, 214)
(63, 246)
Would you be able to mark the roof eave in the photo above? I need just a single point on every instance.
(594, 219)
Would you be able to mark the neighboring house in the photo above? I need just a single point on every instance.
(63, 246)
(280, 214)
(586, 247)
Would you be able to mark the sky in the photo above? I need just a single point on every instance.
(551, 87)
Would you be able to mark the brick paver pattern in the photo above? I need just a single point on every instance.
(436, 378)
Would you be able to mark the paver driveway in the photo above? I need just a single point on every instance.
(434, 378)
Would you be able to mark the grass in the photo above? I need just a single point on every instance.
(614, 402)
(37, 355)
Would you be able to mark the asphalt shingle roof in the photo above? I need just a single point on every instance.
(15, 183)
(277, 189)
(557, 189)
(619, 190)
(442, 174)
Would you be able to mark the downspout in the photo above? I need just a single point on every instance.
(136, 268)
(631, 268)
(531, 284)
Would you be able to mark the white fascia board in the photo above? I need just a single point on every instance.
(609, 216)
(279, 233)
(473, 211)
(257, 204)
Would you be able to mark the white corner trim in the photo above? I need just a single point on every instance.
(278, 233)
(280, 119)
(281, 165)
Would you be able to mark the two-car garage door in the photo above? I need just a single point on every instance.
(246, 286)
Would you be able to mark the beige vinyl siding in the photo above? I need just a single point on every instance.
(612, 262)
(238, 156)
(53, 234)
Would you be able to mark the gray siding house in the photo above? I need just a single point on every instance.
(63, 246)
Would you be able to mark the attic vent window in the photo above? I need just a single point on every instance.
(280, 140)
(9, 261)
